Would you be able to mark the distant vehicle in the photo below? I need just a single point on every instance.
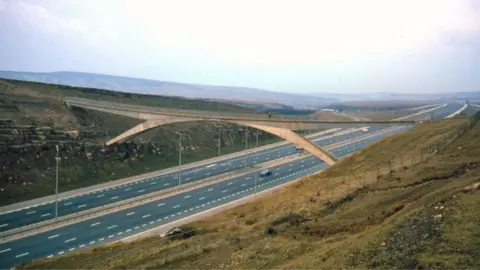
(298, 147)
(265, 172)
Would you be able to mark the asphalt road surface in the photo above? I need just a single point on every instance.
(118, 225)
(121, 224)
(34, 214)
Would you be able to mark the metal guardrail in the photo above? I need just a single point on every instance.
(105, 209)
(127, 203)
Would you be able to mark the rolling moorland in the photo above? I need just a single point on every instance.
(34, 120)
(418, 210)
(195, 91)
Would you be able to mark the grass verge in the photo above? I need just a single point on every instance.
(324, 221)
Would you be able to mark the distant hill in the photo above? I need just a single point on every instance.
(145, 86)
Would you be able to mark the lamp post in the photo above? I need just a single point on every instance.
(246, 139)
(219, 138)
(57, 159)
(179, 158)
(256, 142)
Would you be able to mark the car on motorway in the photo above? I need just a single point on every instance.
(298, 147)
(265, 172)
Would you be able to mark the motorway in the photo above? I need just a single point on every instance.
(34, 214)
(124, 223)
(118, 225)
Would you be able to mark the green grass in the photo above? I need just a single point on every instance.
(60, 91)
(330, 221)
(28, 173)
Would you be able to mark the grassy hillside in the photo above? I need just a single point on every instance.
(410, 216)
(137, 85)
(33, 120)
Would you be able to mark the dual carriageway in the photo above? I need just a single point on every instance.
(141, 218)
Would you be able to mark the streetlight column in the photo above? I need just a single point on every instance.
(57, 159)
(219, 139)
(179, 158)
(256, 142)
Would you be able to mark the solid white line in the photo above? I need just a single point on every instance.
(21, 255)
(70, 240)
(5, 250)
(131, 213)
(53, 236)
(94, 224)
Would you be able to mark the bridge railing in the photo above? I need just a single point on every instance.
(149, 109)
(207, 114)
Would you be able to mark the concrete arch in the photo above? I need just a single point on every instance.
(283, 133)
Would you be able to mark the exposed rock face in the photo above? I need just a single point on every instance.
(27, 152)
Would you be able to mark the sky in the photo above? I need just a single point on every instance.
(408, 46)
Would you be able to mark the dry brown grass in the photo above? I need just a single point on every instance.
(321, 221)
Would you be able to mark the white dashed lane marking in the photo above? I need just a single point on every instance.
(70, 240)
(131, 213)
(21, 255)
(53, 236)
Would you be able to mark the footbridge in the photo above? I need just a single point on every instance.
(280, 126)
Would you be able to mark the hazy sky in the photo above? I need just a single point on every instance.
(293, 46)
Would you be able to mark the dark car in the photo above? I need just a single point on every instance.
(265, 172)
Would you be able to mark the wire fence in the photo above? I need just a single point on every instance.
(399, 163)
(352, 180)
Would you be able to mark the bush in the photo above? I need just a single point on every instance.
(270, 231)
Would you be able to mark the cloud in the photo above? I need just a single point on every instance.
(31, 16)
